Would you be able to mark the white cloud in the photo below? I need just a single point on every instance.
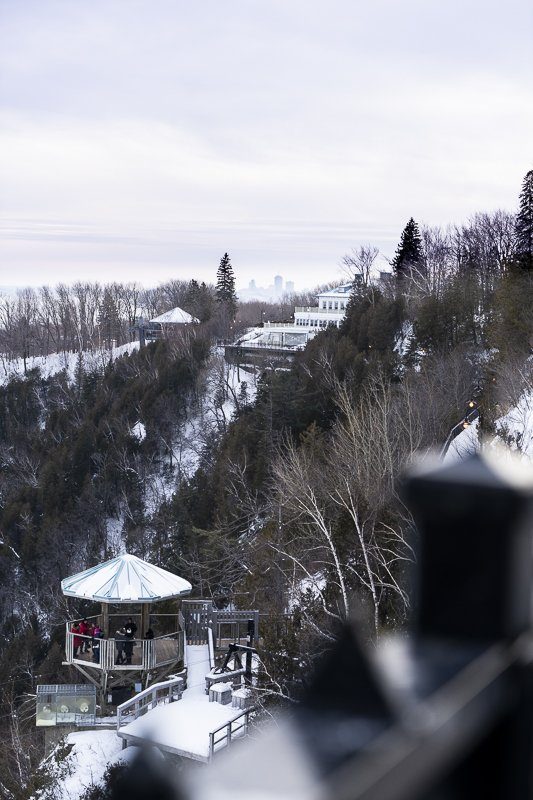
(151, 137)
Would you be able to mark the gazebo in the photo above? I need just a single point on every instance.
(129, 582)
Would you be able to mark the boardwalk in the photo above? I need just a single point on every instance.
(183, 728)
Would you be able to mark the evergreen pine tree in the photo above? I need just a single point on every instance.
(108, 320)
(225, 289)
(524, 225)
(409, 252)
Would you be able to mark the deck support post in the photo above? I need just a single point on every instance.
(105, 620)
(145, 620)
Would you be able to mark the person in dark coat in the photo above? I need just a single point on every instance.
(128, 644)
(84, 630)
(120, 640)
(97, 635)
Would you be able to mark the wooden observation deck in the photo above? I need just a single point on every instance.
(134, 586)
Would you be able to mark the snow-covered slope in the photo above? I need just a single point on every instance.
(57, 362)
(516, 427)
(466, 443)
(79, 762)
(226, 386)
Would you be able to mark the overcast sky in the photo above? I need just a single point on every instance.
(140, 139)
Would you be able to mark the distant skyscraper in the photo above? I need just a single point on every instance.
(289, 287)
(278, 284)
(251, 285)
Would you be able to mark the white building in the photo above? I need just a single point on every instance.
(308, 321)
(330, 310)
(168, 324)
(176, 316)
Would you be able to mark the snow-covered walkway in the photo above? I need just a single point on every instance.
(184, 727)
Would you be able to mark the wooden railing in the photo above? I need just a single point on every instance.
(199, 615)
(223, 736)
(164, 692)
(138, 654)
(233, 626)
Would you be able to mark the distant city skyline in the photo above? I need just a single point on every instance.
(273, 291)
(140, 141)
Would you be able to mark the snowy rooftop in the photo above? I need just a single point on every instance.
(338, 291)
(175, 315)
(125, 579)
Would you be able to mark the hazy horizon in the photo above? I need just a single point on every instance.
(141, 141)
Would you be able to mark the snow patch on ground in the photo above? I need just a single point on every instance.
(466, 443)
(115, 537)
(310, 586)
(139, 431)
(516, 427)
(57, 362)
(158, 489)
(226, 387)
(404, 338)
(91, 752)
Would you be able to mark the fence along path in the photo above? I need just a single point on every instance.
(199, 615)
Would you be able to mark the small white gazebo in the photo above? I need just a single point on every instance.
(176, 316)
(125, 580)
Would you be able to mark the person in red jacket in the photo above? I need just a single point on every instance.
(84, 630)
(90, 634)
(76, 639)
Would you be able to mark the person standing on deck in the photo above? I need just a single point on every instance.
(120, 640)
(128, 644)
(97, 635)
(77, 641)
(84, 631)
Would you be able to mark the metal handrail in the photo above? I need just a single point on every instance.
(255, 345)
(333, 312)
(108, 652)
(211, 648)
(167, 691)
(229, 731)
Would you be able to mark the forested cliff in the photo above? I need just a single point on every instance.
(285, 496)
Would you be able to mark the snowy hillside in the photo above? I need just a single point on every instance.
(57, 362)
(80, 762)
(466, 443)
(516, 427)
(226, 387)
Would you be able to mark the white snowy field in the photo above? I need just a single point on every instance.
(57, 362)
(466, 443)
(91, 752)
(516, 427)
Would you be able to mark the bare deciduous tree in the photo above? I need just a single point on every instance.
(359, 263)
(343, 531)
